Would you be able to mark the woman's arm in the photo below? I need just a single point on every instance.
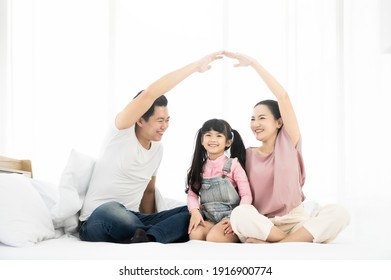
(288, 114)
(139, 105)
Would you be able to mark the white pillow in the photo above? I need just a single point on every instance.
(24, 217)
(48, 192)
(165, 203)
(73, 186)
(159, 201)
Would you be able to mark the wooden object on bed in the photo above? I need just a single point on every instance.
(21, 166)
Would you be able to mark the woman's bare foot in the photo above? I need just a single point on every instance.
(255, 240)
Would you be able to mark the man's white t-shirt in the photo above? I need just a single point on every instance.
(122, 172)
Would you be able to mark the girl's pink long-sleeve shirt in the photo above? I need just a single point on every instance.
(237, 176)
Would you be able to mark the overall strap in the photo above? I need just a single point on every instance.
(227, 167)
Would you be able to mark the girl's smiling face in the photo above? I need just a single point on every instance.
(215, 143)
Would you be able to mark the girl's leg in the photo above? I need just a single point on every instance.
(201, 231)
(216, 234)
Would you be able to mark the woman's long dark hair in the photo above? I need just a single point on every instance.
(237, 149)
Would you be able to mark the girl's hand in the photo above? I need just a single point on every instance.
(227, 227)
(195, 220)
(204, 63)
(243, 60)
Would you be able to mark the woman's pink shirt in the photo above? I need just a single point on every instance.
(276, 180)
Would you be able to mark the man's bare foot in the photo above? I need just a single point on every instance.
(255, 240)
(141, 236)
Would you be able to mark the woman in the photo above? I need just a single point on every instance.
(276, 174)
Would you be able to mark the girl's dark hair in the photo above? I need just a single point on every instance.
(237, 149)
(161, 101)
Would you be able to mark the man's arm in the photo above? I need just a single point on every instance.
(148, 204)
(139, 105)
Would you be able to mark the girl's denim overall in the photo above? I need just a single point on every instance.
(218, 196)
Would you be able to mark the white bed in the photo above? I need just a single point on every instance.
(71, 248)
(366, 238)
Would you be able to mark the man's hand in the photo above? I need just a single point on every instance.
(204, 63)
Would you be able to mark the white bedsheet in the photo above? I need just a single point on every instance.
(71, 248)
(350, 256)
(366, 238)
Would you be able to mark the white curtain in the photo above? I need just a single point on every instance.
(54, 91)
(68, 66)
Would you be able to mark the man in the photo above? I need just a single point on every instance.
(120, 203)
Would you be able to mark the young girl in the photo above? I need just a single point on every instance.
(276, 173)
(216, 183)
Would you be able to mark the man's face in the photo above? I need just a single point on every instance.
(157, 124)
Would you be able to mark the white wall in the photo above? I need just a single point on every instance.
(367, 89)
(68, 66)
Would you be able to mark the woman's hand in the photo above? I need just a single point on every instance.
(243, 60)
(195, 220)
(203, 64)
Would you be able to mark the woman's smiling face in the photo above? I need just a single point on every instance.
(263, 124)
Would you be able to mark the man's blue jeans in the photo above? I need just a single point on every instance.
(112, 222)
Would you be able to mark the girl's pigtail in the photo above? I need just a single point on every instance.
(238, 149)
(194, 173)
